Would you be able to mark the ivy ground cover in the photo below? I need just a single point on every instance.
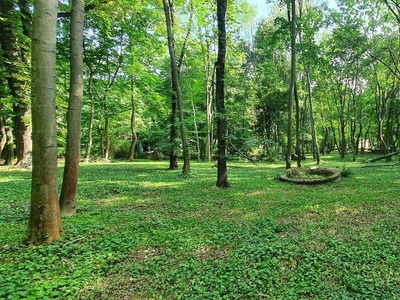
(144, 232)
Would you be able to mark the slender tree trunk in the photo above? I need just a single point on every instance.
(177, 89)
(91, 119)
(292, 86)
(131, 155)
(334, 143)
(3, 135)
(196, 131)
(315, 146)
(107, 138)
(45, 219)
(342, 137)
(209, 79)
(298, 125)
(173, 134)
(174, 97)
(73, 147)
(222, 176)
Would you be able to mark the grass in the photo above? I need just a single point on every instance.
(143, 232)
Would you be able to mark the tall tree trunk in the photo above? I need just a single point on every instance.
(3, 135)
(209, 80)
(177, 88)
(315, 147)
(16, 61)
(298, 125)
(173, 157)
(292, 85)
(9, 148)
(196, 131)
(91, 118)
(173, 134)
(107, 137)
(73, 147)
(342, 137)
(222, 176)
(45, 219)
(131, 155)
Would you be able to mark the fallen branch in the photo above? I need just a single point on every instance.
(381, 165)
(244, 155)
(383, 157)
(73, 241)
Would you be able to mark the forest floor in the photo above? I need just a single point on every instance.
(144, 232)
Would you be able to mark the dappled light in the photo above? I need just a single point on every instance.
(133, 234)
(199, 149)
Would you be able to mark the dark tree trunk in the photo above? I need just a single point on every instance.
(73, 147)
(222, 176)
(176, 88)
(292, 84)
(173, 135)
(3, 135)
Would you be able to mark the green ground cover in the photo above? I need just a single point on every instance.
(143, 232)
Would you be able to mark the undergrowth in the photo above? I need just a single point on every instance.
(144, 232)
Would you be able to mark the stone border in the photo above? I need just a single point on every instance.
(329, 173)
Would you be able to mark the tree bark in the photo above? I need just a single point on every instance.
(73, 147)
(222, 176)
(45, 219)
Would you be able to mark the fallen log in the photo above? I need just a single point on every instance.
(383, 157)
(381, 165)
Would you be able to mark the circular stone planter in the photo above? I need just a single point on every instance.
(312, 175)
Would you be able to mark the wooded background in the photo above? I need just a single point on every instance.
(346, 92)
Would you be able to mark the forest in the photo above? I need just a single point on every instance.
(116, 117)
(345, 93)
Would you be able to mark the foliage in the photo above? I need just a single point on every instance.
(143, 232)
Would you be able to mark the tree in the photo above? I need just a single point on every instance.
(45, 224)
(222, 176)
(132, 147)
(72, 153)
(292, 84)
(176, 89)
(15, 23)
